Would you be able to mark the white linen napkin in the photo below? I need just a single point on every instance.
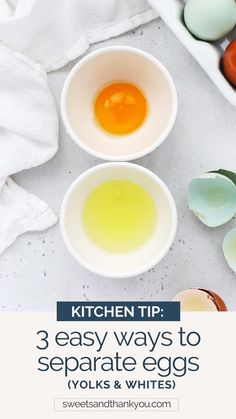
(28, 137)
(54, 32)
(21, 212)
(38, 36)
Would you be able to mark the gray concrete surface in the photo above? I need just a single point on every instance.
(38, 270)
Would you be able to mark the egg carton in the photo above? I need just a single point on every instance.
(207, 54)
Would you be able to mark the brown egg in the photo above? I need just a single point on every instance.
(197, 299)
(229, 62)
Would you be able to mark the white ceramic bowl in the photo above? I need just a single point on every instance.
(117, 265)
(112, 64)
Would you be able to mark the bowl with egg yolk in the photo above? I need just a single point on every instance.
(119, 103)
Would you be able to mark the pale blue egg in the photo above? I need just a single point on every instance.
(210, 20)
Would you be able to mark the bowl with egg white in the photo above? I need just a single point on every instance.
(118, 219)
(119, 103)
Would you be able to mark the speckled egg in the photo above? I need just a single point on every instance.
(210, 20)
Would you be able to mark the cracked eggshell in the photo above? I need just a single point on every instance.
(198, 299)
(212, 198)
(229, 248)
(210, 20)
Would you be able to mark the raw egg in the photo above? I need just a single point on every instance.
(229, 62)
(120, 107)
(119, 215)
(195, 299)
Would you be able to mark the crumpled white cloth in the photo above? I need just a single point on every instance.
(54, 32)
(25, 212)
(38, 36)
(28, 137)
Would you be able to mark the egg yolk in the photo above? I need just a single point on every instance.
(120, 108)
